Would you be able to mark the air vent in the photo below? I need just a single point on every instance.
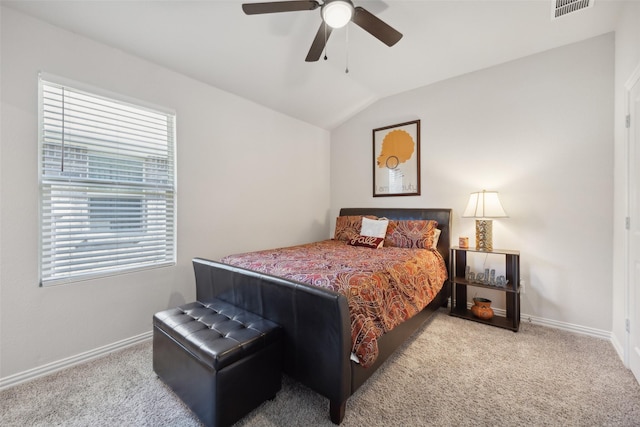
(564, 7)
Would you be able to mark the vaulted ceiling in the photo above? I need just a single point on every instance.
(262, 57)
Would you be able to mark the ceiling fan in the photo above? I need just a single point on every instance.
(335, 14)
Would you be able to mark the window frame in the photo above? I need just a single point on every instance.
(170, 209)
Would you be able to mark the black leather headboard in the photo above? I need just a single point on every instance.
(443, 216)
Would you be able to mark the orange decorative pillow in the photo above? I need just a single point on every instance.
(411, 233)
(367, 242)
(348, 227)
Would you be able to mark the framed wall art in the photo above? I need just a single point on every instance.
(396, 160)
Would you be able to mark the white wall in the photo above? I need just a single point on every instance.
(627, 60)
(248, 178)
(540, 131)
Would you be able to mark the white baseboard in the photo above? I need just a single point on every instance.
(584, 330)
(619, 347)
(58, 365)
(528, 318)
(592, 332)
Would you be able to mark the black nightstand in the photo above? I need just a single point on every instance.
(459, 286)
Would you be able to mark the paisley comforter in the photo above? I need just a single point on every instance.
(384, 287)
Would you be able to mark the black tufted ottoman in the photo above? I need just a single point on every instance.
(222, 361)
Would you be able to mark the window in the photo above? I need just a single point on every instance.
(107, 182)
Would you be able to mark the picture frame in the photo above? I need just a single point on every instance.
(396, 160)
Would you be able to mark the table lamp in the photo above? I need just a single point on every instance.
(484, 205)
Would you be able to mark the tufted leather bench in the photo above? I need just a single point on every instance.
(222, 361)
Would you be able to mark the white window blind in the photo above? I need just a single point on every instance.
(107, 185)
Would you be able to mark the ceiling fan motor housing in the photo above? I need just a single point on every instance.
(337, 13)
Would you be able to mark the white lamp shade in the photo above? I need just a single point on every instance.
(484, 204)
(337, 13)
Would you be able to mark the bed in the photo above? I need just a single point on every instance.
(329, 345)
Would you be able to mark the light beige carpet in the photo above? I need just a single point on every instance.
(453, 372)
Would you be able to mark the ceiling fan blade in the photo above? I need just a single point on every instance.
(375, 26)
(319, 43)
(279, 6)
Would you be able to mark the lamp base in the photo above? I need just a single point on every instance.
(484, 235)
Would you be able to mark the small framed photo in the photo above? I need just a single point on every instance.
(396, 160)
(463, 242)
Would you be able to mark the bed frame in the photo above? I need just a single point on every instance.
(316, 320)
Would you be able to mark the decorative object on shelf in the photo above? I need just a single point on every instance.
(486, 278)
(482, 308)
(484, 205)
(501, 281)
(463, 242)
(396, 160)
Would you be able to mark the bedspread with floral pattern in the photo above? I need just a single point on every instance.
(384, 287)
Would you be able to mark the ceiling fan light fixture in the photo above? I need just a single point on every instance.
(337, 13)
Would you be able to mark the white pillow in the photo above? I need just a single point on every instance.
(374, 227)
(436, 236)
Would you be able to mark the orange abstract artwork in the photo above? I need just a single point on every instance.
(396, 160)
(397, 147)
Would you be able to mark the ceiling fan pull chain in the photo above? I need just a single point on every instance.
(346, 70)
(325, 41)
